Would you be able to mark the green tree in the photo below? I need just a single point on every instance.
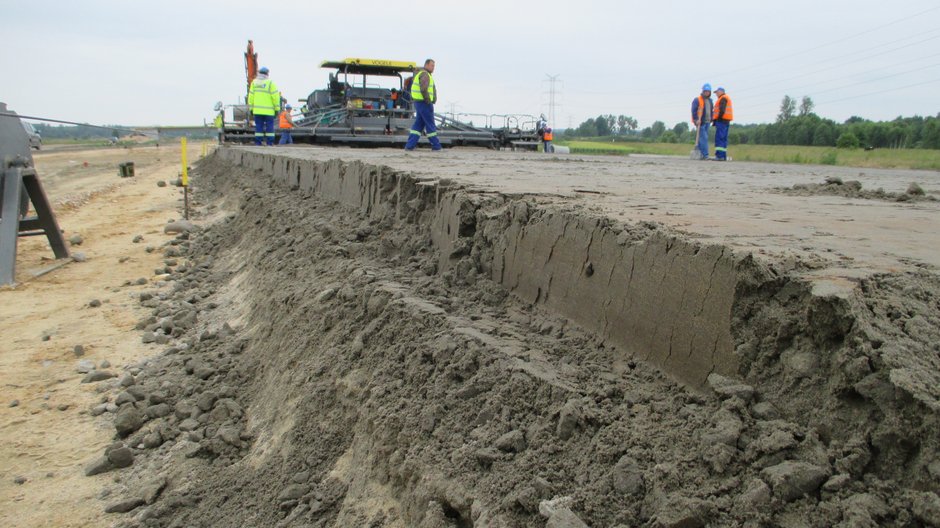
(806, 105)
(601, 127)
(669, 137)
(787, 109)
(847, 140)
(658, 128)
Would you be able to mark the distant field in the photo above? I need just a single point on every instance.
(878, 158)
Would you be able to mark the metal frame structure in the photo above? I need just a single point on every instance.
(20, 185)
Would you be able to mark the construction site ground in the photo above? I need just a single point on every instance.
(378, 338)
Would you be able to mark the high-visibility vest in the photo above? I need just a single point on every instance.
(701, 110)
(218, 121)
(728, 114)
(284, 120)
(264, 97)
(547, 136)
(416, 94)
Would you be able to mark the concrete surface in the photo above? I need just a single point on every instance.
(729, 203)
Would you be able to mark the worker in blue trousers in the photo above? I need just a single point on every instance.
(702, 109)
(264, 102)
(424, 96)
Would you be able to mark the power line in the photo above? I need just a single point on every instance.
(865, 58)
(880, 92)
(837, 41)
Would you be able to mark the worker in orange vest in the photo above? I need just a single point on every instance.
(286, 122)
(547, 140)
(722, 121)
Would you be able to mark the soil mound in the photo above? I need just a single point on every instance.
(328, 368)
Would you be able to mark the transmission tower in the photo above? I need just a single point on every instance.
(552, 79)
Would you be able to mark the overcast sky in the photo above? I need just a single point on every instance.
(168, 62)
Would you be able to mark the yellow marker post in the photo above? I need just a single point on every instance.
(204, 149)
(184, 177)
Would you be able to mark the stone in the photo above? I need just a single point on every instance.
(790, 480)
(76, 240)
(153, 440)
(151, 491)
(564, 518)
(15, 403)
(123, 398)
(126, 380)
(98, 375)
(726, 387)
(626, 476)
(756, 496)
(98, 466)
(63, 407)
(125, 505)
(293, 491)
(128, 420)
(765, 411)
(94, 303)
(105, 364)
(121, 457)
(179, 226)
(161, 183)
(79, 257)
(141, 281)
(926, 507)
(159, 411)
(486, 456)
(230, 434)
(189, 424)
(682, 512)
(99, 409)
(568, 419)
(19, 480)
(148, 337)
(85, 366)
(837, 482)
(511, 442)
(78, 350)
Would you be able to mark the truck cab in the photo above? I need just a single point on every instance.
(35, 140)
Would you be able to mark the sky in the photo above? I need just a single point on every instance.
(167, 62)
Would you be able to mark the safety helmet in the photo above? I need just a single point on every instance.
(288, 107)
(264, 70)
(719, 89)
(706, 87)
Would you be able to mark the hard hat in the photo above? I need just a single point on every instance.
(542, 116)
(288, 107)
(707, 87)
(719, 89)
(264, 70)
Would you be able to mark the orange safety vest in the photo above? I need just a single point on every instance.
(728, 114)
(701, 110)
(284, 120)
(547, 136)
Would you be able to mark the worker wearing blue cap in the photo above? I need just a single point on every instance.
(722, 121)
(702, 110)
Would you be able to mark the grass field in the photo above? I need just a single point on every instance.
(878, 158)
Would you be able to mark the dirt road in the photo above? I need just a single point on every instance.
(48, 436)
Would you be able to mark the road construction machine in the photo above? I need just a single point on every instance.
(366, 104)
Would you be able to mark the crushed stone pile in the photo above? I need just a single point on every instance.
(322, 369)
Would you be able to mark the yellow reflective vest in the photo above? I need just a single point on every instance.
(416, 94)
(264, 97)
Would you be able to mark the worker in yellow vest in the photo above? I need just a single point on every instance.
(424, 95)
(286, 123)
(264, 102)
(722, 121)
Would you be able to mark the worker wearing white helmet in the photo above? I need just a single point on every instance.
(264, 102)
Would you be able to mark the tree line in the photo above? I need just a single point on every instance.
(796, 124)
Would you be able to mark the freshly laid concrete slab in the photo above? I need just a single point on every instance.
(736, 203)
